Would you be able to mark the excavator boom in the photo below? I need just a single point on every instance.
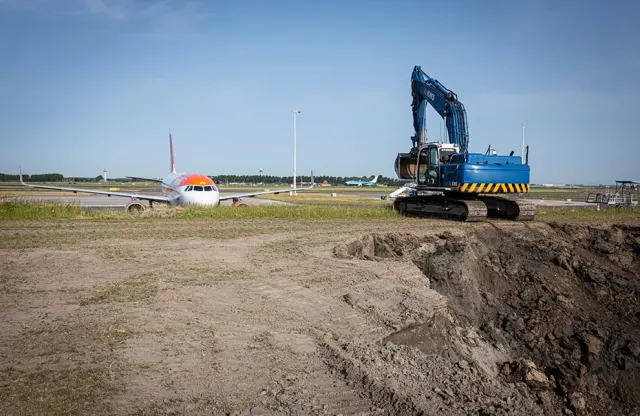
(425, 89)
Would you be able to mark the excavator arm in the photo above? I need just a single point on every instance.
(425, 89)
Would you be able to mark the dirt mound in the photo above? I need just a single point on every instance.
(403, 381)
(553, 309)
(378, 246)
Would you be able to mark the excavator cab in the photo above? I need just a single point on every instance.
(428, 166)
(423, 164)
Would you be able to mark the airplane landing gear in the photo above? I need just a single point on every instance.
(237, 202)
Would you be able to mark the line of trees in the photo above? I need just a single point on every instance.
(43, 177)
(219, 179)
(55, 177)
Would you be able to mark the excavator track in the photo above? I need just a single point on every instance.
(469, 210)
(510, 209)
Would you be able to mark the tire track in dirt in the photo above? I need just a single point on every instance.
(389, 297)
(274, 301)
(318, 391)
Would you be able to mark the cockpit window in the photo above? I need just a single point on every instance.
(201, 188)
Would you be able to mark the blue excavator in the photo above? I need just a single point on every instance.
(449, 181)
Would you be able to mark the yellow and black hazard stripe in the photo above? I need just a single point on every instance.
(493, 188)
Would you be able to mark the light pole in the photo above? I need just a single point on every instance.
(522, 151)
(295, 112)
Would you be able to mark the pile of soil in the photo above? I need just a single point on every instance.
(553, 309)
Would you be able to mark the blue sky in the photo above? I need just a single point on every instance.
(89, 84)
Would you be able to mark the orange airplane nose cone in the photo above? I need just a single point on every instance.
(196, 179)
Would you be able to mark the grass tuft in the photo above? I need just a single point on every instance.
(134, 290)
(16, 209)
(55, 392)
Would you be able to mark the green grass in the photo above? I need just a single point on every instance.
(288, 212)
(556, 190)
(312, 209)
(610, 215)
(22, 210)
(29, 210)
(343, 199)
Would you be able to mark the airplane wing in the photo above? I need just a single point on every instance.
(139, 178)
(157, 180)
(154, 198)
(252, 194)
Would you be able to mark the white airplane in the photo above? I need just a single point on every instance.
(177, 189)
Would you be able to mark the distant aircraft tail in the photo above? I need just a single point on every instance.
(173, 163)
(375, 179)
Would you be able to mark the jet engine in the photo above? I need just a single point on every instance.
(134, 207)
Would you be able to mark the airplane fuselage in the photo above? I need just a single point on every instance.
(190, 189)
(360, 183)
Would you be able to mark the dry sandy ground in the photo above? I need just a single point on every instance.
(312, 317)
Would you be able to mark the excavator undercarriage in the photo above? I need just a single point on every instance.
(469, 208)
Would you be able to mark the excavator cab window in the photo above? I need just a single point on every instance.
(431, 171)
(428, 166)
(421, 167)
(445, 155)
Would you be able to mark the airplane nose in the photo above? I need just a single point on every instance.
(205, 198)
(209, 199)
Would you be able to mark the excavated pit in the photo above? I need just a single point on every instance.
(547, 316)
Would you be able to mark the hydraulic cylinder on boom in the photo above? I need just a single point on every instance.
(450, 181)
